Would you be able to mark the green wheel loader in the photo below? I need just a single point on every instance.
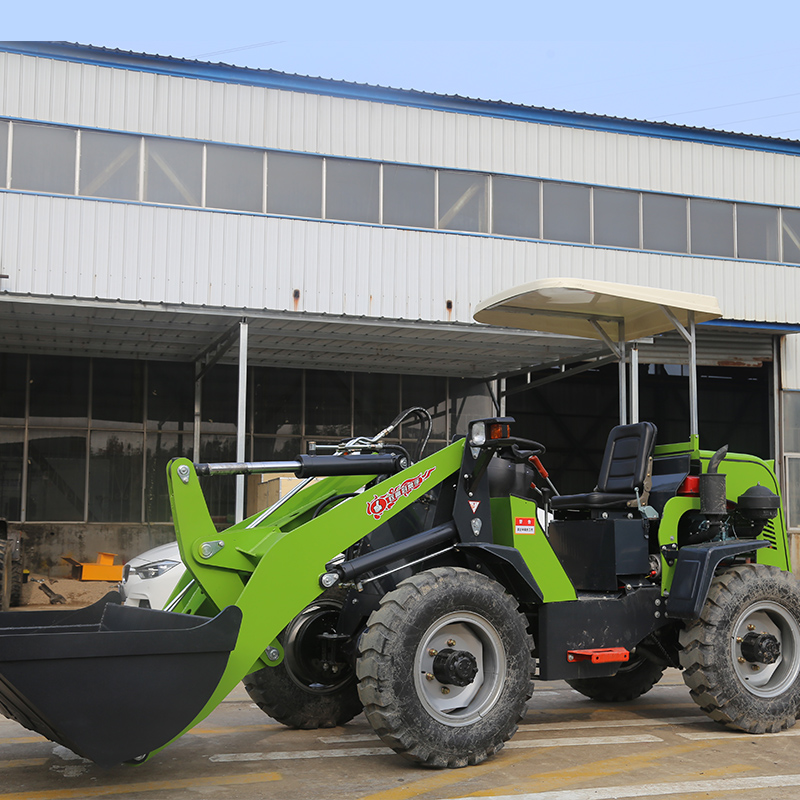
(433, 594)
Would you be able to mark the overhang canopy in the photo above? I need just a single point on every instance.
(578, 307)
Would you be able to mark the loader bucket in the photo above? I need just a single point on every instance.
(111, 682)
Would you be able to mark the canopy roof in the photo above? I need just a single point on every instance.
(578, 307)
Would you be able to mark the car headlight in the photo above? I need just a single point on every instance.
(155, 568)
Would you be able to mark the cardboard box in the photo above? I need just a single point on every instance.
(264, 490)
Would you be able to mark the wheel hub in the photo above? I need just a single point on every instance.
(762, 648)
(455, 667)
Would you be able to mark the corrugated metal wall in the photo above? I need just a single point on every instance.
(87, 248)
(790, 362)
(117, 99)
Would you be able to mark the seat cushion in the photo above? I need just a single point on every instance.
(592, 500)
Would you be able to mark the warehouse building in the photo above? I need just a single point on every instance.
(220, 262)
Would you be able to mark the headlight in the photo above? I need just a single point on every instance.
(477, 433)
(154, 569)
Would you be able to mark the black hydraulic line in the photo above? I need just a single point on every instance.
(349, 570)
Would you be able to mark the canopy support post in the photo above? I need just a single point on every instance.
(623, 388)
(634, 358)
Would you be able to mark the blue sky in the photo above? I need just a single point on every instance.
(726, 65)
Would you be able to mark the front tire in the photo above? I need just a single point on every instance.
(445, 668)
(741, 658)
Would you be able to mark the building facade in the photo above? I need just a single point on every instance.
(229, 263)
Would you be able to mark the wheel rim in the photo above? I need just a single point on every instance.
(303, 655)
(460, 705)
(767, 680)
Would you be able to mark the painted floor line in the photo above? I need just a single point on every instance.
(658, 789)
(352, 752)
(700, 736)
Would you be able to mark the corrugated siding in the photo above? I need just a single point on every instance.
(790, 362)
(86, 248)
(117, 99)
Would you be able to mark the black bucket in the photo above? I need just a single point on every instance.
(111, 682)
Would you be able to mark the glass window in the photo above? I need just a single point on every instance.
(12, 389)
(664, 223)
(790, 220)
(59, 391)
(115, 476)
(276, 448)
(234, 178)
(109, 165)
(170, 396)
(616, 218)
(56, 476)
(43, 158)
(328, 403)
(712, 227)
(429, 392)
(462, 202)
(173, 172)
(793, 491)
(220, 399)
(515, 206)
(376, 402)
(351, 190)
(566, 212)
(219, 490)
(791, 422)
(408, 196)
(3, 151)
(117, 389)
(294, 185)
(278, 401)
(161, 448)
(11, 442)
(757, 232)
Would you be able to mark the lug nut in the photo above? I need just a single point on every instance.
(755, 668)
(428, 676)
(432, 652)
(751, 627)
(739, 639)
(445, 690)
(451, 642)
(741, 659)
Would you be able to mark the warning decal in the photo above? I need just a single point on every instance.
(524, 525)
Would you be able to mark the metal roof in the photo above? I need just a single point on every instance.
(267, 78)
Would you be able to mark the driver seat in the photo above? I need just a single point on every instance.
(626, 467)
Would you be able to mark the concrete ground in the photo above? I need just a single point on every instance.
(568, 748)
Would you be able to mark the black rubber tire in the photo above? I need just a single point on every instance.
(297, 693)
(16, 575)
(633, 679)
(723, 683)
(403, 700)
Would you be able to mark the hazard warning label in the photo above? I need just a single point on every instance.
(524, 525)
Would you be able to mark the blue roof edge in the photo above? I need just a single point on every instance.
(273, 79)
(763, 327)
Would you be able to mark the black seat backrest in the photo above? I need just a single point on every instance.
(626, 458)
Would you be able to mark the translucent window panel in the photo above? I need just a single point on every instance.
(220, 399)
(351, 190)
(757, 232)
(12, 389)
(3, 151)
(219, 490)
(170, 396)
(712, 227)
(462, 202)
(56, 476)
(109, 165)
(791, 422)
(428, 392)
(173, 172)
(294, 185)
(117, 393)
(328, 403)
(59, 390)
(664, 223)
(792, 491)
(515, 206)
(115, 476)
(43, 158)
(566, 212)
(161, 448)
(376, 402)
(409, 196)
(616, 218)
(234, 178)
(278, 401)
(790, 219)
(11, 443)
(276, 448)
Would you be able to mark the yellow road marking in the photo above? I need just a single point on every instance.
(22, 739)
(23, 762)
(145, 786)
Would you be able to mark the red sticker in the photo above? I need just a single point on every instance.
(525, 525)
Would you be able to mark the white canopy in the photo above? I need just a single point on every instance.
(576, 307)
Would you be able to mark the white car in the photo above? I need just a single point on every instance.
(149, 579)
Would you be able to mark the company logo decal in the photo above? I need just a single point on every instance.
(524, 525)
(384, 502)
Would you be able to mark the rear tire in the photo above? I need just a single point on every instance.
(633, 679)
(300, 692)
(445, 668)
(752, 686)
